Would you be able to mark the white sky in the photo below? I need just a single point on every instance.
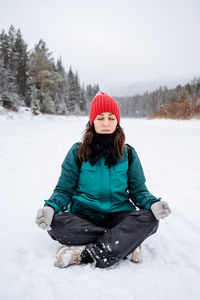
(113, 41)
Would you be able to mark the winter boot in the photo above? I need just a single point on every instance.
(68, 256)
(136, 255)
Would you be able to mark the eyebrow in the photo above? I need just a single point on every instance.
(109, 114)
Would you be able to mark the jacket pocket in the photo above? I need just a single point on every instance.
(86, 166)
(119, 181)
(121, 168)
(89, 180)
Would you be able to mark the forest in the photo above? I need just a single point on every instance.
(182, 102)
(34, 79)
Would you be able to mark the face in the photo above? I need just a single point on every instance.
(105, 123)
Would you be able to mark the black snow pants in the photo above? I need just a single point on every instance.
(106, 241)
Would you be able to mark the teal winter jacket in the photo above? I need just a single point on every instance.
(97, 191)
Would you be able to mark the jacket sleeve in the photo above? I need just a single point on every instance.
(138, 191)
(65, 188)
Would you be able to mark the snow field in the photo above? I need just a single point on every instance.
(31, 152)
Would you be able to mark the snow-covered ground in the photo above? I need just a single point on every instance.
(31, 152)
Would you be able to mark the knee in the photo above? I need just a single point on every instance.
(153, 221)
(56, 222)
(52, 235)
(61, 219)
(149, 218)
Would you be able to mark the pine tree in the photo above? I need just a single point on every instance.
(41, 73)
(21, 59)
(12, 51)
(83, 106)
(11, 86)
(4, 49)
(60, 88)
(89, 94)
(8, 88)
(71, 94)
(8, 83)
(34, 100)
(80, 95)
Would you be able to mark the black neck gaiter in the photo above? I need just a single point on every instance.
(103, 145)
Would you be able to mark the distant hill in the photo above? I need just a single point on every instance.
(135, 88)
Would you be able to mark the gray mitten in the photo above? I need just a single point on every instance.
(160, 209)
(44, 217)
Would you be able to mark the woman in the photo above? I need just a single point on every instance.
(101, 210)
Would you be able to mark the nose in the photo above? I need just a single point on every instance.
(105, 123)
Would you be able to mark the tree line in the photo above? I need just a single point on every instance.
(34, 79)
(182, 102)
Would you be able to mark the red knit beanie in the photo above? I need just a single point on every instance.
(102, 102)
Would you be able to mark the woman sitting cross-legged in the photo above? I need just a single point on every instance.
(101, 210)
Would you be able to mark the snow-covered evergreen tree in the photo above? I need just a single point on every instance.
(8, 88)
(71, 94)
(61, 107)
(83, 100)
(34, 101)
(41, 73)
(12, 69)
(21, 59)
(89, 94)
(4, 49)
(48, 104)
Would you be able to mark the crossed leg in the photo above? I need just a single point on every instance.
(106, 242)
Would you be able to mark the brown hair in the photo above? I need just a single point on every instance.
(85, 149)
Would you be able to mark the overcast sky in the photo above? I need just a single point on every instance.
(113, 41)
